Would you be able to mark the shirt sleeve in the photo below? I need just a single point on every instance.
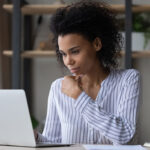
(52, 128)
(119, 128)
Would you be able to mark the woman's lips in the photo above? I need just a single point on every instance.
(74, 70)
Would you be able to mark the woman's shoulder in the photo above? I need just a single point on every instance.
(126, 74)
(57, 82)
(126, 71)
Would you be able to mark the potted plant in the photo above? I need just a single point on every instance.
(141, 25)
(140, 28)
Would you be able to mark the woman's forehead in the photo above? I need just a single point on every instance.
(71, 40)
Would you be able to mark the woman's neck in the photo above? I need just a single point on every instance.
(95, 76)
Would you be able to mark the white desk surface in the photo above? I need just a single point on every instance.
(74, 147)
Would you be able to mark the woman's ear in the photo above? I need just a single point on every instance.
(97, 44)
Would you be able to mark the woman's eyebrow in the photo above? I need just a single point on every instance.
(61, 51)
(70, 49)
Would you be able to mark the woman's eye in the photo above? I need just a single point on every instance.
(63, 54)
(75, 51)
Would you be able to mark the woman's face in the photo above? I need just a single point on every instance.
(79, 55)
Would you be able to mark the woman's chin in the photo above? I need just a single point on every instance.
(75, 74)
(78, 74)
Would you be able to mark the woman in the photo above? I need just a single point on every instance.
(97, 103)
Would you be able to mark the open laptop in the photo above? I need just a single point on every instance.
(15, 122)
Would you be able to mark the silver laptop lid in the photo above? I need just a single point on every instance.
(15, 121)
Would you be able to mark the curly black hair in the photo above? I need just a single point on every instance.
(90, 19)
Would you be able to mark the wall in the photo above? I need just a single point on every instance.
(5, 38)
(0, 75)
(142, 65)
(47, 70)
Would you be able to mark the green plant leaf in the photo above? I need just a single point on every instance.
(35, 123)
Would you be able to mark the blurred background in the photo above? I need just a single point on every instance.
(38, 63)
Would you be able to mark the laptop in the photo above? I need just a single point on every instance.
(15, 122)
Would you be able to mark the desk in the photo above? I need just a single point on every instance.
(74, 147)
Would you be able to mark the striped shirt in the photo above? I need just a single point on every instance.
(110, 119)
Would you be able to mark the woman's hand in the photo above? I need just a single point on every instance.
(71, 86)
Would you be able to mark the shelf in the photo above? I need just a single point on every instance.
(32, 53)
(34, 9)
(139, 54)
(47, 9)
(48, 53)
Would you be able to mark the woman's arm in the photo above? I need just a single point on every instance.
(52, 128)
(119, 128)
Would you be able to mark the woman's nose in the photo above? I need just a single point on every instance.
(69, 60)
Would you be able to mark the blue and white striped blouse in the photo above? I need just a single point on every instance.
(110, 119)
